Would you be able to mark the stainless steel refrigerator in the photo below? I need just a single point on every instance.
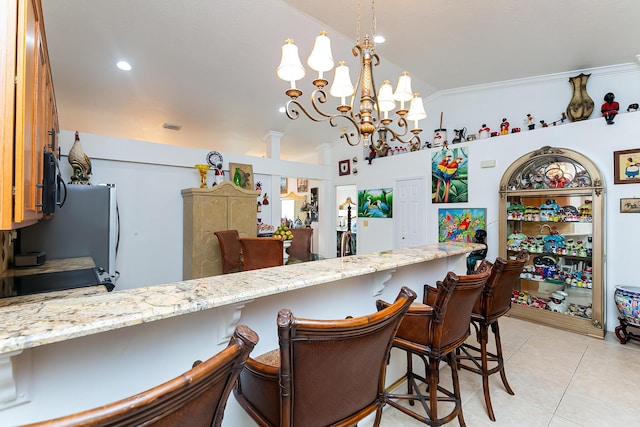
(84, 224)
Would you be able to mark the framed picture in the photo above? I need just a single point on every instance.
(284, 185)
(626, 165)
(629, 205)
(303, 185)
(241, 175)
(450, 175)
(344, 167)
(377, 203)
(460, 225)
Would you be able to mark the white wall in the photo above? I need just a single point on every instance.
(545, 98)
(148, 180)
(150, 176)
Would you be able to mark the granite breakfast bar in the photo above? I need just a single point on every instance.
(83, 349)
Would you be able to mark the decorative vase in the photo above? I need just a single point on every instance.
(80, 162)
(237, 177)
(203, 169)
(581, 105)
(285, 246)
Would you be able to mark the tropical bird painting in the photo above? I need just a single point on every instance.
(375, 203)
(460, 225)
(449, 176)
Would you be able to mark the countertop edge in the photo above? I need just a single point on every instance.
(33, 324)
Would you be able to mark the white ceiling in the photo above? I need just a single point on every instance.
(209, 65)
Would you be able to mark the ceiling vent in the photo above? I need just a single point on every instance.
(171, 126)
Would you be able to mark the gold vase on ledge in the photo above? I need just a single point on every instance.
(203, 169)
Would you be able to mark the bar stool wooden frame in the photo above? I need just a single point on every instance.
(432, 331)
(494, 302)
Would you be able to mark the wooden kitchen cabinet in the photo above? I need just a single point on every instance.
(552, 205)
(29, 117)
(207, 210)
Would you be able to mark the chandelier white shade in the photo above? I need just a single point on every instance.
(290, 68)
(321, 59)
(366, 112)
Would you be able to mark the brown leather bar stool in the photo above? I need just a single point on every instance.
(196, 398)
(325, 373)
(261, 252)
(230, 251)
(494, 302)
(432, 331)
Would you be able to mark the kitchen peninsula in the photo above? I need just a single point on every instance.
(59, 356)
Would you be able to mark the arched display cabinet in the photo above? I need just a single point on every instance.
(552, 204)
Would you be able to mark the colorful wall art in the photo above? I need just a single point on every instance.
(449, 171)
(375, 203)
(460, 225)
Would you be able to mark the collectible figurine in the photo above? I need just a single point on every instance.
(632, 107)
(610, 108)
(504, 127)
(480, 254)
(265, 199)
(484, 131)
(530, 122)
(219, 174)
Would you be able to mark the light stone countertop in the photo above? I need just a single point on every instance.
(36, 322)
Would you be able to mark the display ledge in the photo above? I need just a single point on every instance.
(35, 323)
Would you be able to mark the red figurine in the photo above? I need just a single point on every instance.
(504, 127)
(610, 108)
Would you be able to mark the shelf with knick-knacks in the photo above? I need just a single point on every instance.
(552, 205)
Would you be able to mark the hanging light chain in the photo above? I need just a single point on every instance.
(358, 24)
(373, 18)
(373, 21)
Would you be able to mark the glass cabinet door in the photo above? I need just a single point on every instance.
(552, 206)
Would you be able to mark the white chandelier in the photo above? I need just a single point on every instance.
(372, 114)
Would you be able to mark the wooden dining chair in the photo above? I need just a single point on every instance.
(494, 302)
(196, 398)
(261, 252)
(300, 248)
(325, 372)
(432, 331)
(230, 251)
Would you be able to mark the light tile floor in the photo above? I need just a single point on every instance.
(560, 379)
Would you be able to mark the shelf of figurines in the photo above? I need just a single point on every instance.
(549, 211)
(579, 246)
(557, 302)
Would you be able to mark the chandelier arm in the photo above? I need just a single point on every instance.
(294, 108)
(319, 96)
(348, 136)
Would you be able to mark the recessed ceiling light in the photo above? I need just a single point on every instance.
(123, 65)
(379, 39)
(282, 109)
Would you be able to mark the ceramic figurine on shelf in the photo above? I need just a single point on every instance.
(218, 174)
(265, 199)
(371, 156)
(80, 162)
(610, 108)
(258, 186)
(504, 126)
(484, 131)
(632, 107)
(530, 122)
(543, 124)
(459, 135)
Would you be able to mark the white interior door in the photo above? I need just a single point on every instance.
(409, 209)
